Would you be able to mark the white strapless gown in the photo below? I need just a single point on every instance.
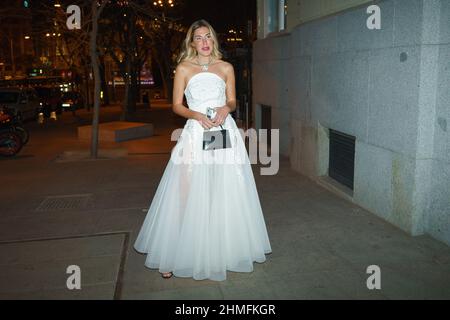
(205, 217)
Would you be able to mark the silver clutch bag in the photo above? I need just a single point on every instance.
(215, 139)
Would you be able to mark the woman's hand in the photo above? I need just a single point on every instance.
(221, 115)
(204, 121)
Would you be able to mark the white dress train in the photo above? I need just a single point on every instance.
(205, 217)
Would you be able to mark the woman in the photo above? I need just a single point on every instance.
(205, 217)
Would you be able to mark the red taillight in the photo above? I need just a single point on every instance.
(4, 118)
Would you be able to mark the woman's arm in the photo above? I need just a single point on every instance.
(230, 106)
(178, 94)
(231, 87)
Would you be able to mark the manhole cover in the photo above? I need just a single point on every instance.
(67, 202)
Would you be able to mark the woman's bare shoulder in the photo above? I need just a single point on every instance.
(183, 66)
(185, 69)
(225, 66)
(187, 66)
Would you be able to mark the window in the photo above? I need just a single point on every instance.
(272, 16)
(282, 15)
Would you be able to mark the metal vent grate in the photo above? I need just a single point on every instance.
(67, 202)
(342, 158)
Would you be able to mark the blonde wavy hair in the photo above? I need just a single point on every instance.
(188, 52)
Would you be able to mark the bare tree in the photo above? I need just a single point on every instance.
(79, 50)
(126, 30)
(118, 40)
(72, 45)
(123, 40)
(132, 31)
(164, 33)
(96, 9)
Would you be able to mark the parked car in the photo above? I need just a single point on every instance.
(71, 101)
(23, 101)
(50, 100)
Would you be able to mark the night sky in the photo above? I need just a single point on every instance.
(221, 14)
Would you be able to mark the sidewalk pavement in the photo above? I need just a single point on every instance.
(55, 214)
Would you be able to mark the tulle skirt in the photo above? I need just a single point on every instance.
(205, 217)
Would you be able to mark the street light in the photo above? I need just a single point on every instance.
(163, 4)
(233, 36)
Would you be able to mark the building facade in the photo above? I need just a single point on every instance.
(369, 105)
(16, 46)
